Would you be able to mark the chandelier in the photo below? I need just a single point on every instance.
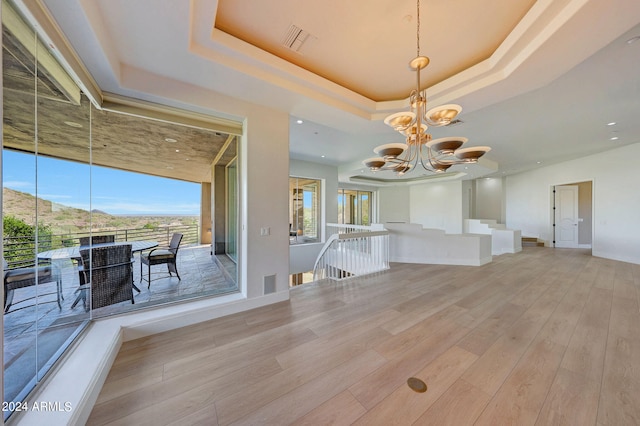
(434, 155)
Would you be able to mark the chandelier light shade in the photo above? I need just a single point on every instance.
(433, 155)
(442, 115)
(390, 150)
(445, 146)
(471, 155)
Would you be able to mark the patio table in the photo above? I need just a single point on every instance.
(61, 254)
(74, 252)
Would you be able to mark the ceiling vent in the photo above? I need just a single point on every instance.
(295, 38)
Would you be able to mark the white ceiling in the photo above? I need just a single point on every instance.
(538, 81)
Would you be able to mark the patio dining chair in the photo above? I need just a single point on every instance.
(18, 278)
(93, 240)
(162, 255)
(97, 239)
(108, 274)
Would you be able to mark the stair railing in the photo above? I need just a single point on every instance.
(352, 254)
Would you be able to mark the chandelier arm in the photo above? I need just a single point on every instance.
(428, 169)
(394, 161)
(412, 153)
(434, 160)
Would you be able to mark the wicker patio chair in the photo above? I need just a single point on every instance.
(26, 277)
(108, 272)
(97, 239)
(92, 240)
(162, 255)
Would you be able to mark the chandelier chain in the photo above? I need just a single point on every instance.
(418, 27)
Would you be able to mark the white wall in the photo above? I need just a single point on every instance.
(437, 205)
(468, 196)
(489, 199)
(265, 185)
(615, 175)
(303, 256)
(393, 204)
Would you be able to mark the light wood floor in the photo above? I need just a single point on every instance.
(545, 336)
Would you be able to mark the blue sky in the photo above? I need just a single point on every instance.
(112, 191)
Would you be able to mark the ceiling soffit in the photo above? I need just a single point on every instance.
(344, 42)
(533, 37)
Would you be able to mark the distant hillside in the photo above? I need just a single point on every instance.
(65, 219)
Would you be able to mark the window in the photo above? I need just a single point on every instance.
(354, 207)
(304, 210)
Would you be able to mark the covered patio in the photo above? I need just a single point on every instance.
(35, 333)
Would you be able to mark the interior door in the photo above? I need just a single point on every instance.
(566, 215)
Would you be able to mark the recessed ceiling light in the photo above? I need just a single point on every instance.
(299, 121)
(615, 138)
(633, 39)
(73, 124)
(170, 140)
(322, 156)
(613, 123)
(538, 162)
(177, 150)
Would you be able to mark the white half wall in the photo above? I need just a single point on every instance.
(302, 257)
(411, 243)
(616, 201)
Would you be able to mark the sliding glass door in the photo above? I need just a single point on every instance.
(45, 118)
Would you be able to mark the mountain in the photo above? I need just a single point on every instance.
(58, 216)
(66, 220)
